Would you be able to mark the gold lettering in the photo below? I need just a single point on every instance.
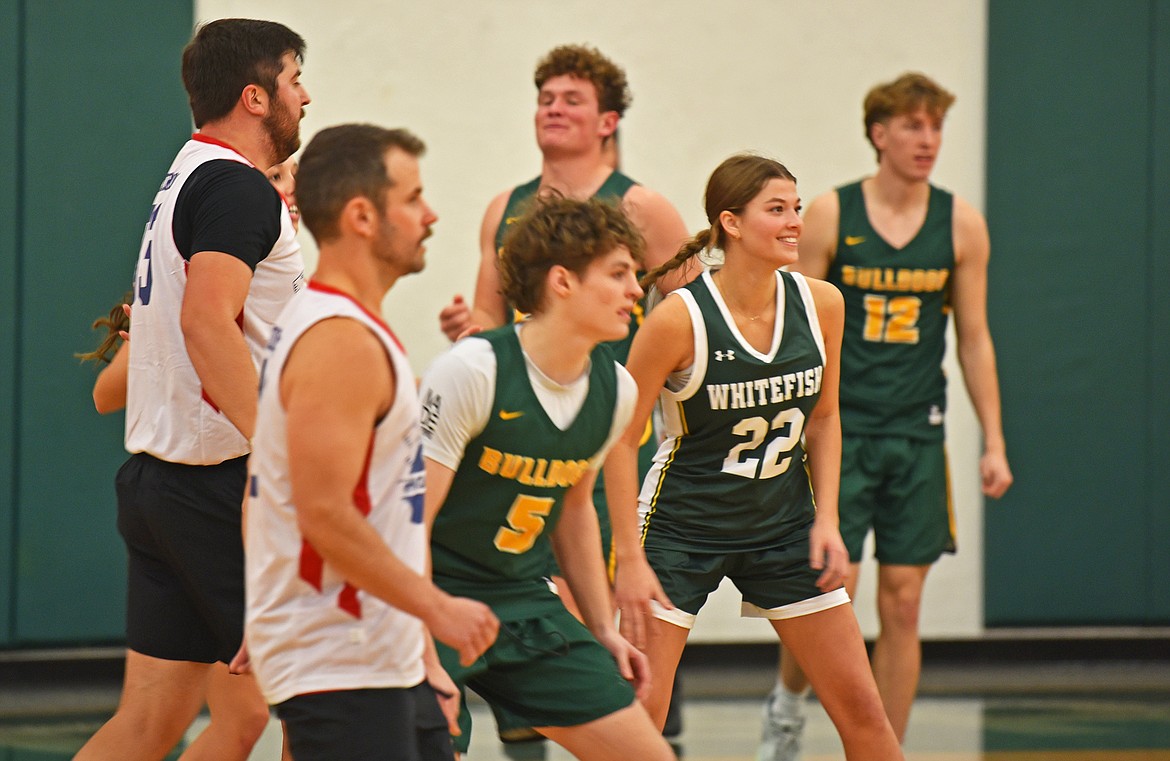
(525, 476)
(556, 473)
(489, 461)
(538, 476)
(511, 465)
(536, 472)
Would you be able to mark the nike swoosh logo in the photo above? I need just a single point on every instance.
(853, 240)
(505, 415)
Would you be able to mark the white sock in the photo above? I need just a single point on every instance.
(785, 702)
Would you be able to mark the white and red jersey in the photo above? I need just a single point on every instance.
(167, 413)
(307, 629)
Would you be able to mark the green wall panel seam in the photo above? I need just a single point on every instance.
(17, 307)
(1151, 296)
(1156, 359)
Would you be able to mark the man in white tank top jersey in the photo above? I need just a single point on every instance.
(218, 262)
(339, 597)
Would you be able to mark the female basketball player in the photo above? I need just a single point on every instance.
(745, 360)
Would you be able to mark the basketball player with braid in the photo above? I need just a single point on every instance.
(904, 253)
(745, 363)
(516, 422)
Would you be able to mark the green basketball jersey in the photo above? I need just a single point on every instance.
(897, 302)
(490, 539)
(613, 189)
(731, 474)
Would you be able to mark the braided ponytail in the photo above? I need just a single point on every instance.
(114, 323)
(690, 249)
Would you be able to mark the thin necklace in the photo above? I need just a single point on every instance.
(737, 310)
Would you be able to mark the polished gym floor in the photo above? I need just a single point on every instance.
(1048, 710)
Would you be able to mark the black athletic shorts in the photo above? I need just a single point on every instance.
(181, 526)
(404, 724)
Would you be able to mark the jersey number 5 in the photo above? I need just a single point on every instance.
(892, 320)
(789, 422)
(526, 519)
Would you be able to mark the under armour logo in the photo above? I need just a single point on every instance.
(721, 355)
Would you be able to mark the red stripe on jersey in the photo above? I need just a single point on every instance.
(314, 285)
(208, 399)
(312, 567)
(201, 138)
(348, 600)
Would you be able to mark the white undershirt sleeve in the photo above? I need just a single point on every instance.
(623, 411)
(457, 392)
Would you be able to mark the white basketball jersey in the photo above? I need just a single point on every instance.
(307, 629)
(167, 413)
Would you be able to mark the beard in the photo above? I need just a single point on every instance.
(388, 246)
(284, 131)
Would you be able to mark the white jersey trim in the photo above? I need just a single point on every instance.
(458, 391)
(307, 629)
(167, 415)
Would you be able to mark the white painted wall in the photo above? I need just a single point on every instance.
(782, 77)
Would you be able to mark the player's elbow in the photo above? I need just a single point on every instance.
(104, 404)
(314, 520)
(109, 390)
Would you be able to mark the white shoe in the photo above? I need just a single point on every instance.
(782, 734)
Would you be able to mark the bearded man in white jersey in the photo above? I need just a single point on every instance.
(218, 262)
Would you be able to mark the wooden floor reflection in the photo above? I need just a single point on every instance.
(942, 729)
(1002, 728)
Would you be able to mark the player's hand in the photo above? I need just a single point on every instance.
(125, 334)
(447, 694)
(467, 626)
(455, 318)
(635, 585)
(995, 473)
(827, 554)
(632, 662)
(242, 662)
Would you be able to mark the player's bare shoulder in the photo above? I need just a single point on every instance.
(339, 359)
(667, 333)
(664, 230)
(650, 210)
(640, 198)
(826, 296)
(670, 317)
(969, 228)
(818, 238)
(493, 215)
